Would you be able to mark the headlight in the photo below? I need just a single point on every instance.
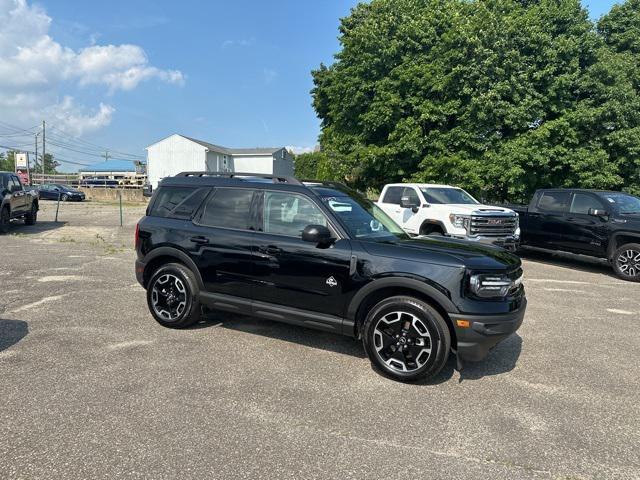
(489, 285)
(459, 221)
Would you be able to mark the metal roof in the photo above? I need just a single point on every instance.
(111, 166)
(234, 151)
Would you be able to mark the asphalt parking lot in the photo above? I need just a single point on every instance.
(92, 387)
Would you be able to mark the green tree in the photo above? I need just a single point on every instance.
(50, 165)
(498, 96)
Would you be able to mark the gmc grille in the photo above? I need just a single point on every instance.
(493, 226)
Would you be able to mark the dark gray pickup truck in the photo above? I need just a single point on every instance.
(590, 222)
(17, 202)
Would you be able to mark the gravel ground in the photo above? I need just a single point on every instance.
(92, 387)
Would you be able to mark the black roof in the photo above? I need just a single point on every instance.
(257, 180)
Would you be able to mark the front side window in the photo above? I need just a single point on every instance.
(582, 203)
(288, 214)
(364, 219)
(228, 208)
(411, 195)
(553, 201)
(447, 195)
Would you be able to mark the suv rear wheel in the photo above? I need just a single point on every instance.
(626, 262)
(4, 220)
(406, 338)
(172, 296)
(32, 217)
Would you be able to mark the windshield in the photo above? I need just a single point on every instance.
(364, 219)
(624, 202)
(443, 195)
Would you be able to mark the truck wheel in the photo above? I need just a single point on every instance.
(32, 217)
(172, 296)
(626, 262)
(406, 338)
(4, 220)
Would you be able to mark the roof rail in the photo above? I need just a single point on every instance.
(243, 176)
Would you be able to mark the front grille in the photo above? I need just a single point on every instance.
(493, 226)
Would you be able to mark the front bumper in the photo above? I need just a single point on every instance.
(510, 243)
(485, 331)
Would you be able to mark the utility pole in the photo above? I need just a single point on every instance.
(106, 156)
(35, 160)
(44, 148)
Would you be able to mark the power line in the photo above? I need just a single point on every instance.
(93, 146)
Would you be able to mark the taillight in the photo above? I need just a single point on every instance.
(137, 236)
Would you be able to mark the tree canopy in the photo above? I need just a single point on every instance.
(497, 96)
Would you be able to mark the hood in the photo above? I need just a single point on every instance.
(463, 208)
(448, 251)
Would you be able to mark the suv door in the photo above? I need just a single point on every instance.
(547, 222)
(294, 273)
(221, 238)
(18, 196)
(390, 203)
(586, 233)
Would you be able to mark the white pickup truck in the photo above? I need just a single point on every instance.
(428, 209)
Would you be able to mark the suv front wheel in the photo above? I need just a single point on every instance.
(172, 296)
(406, 338)
(626, 262)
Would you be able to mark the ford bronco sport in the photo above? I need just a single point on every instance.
(320, 255)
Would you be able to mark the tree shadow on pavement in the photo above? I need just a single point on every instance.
(569, 260)
(18, 228)
(11, 332)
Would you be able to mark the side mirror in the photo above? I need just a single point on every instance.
(595, 212)
(56, 189)
(405, 202)
(147, 190)
(318, 234)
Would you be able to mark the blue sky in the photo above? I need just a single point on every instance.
(126, 73)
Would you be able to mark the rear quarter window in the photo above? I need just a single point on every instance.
(177, 202)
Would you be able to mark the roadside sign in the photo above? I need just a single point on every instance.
(22, 160)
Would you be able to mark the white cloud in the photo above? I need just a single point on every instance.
(34, 69)
(244, 42)
(269, 75)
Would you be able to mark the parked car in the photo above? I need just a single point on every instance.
(63, 192)
(320, 255)
(590, 222)
(16, 202)
(98, 183)
(443, 210)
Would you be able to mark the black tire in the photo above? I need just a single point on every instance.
(5, 217)
(180, 287)
(427, 331)
(626, 262)
(64, 197)
(32, 217)
(435, 233)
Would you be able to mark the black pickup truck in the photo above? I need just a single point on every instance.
(590, 222)
(16, 202)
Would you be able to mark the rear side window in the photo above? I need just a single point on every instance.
(554, 201)
(393, 195)
(412, 196)
(177, 202)
(228, 208)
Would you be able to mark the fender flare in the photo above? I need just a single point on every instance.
(399, 282)
(612, 241)
(433, 222)
(180, 255)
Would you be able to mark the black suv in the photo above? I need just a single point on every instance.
(320, 255)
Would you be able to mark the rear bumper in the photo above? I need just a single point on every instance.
(140, 272)
(485, 332)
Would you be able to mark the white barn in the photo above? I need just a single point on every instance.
(178, 153)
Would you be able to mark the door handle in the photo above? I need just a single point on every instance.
(270, 250)
(200, 240)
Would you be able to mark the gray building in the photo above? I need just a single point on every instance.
(178, 153)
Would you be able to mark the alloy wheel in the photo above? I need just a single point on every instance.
(402, 341)
(629, 262)
(169, 297)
